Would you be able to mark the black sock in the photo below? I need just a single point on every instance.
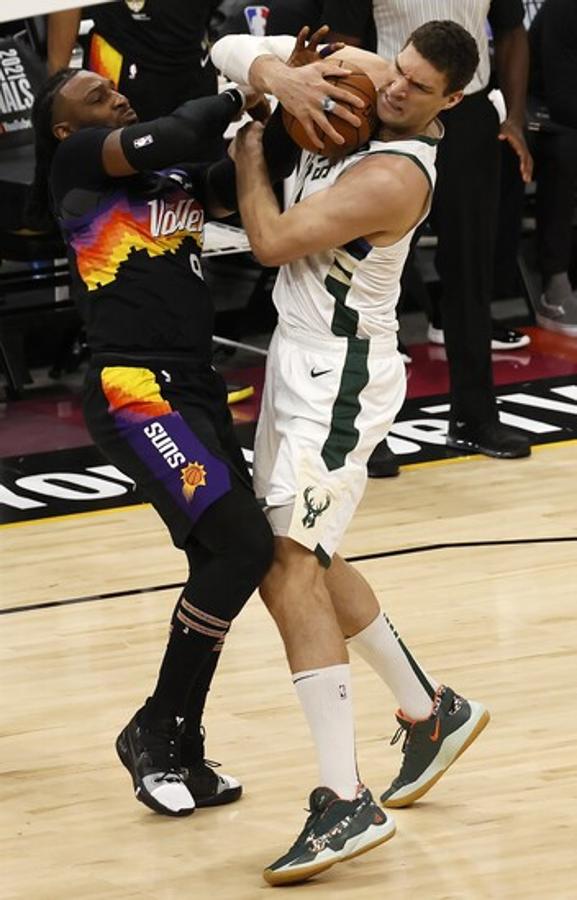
(193, 635)
(193, 734)
(229, 551)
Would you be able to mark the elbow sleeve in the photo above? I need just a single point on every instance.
(187, 135)
(234, 54)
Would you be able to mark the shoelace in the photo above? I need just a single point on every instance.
(169, 777)
(304, 835)
(397, 736)
(164, 752)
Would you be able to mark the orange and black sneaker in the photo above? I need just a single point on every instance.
(432, 745)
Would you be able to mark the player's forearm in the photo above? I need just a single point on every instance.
(259, 208)
(62, 32)
(280, 155)
(184, 136)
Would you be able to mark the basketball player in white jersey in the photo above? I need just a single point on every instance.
(334, 384)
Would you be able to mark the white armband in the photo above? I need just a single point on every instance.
(234, 54)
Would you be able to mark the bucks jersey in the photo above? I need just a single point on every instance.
(350, 291)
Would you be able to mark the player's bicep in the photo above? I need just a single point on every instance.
(358, 205)
(328, 219)
(114, 159)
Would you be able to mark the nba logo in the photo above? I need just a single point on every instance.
(256, 17)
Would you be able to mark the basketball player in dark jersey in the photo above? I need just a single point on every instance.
(133, 221)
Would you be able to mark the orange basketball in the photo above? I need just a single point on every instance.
(359, 83)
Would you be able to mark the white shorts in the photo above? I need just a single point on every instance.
(327, 403)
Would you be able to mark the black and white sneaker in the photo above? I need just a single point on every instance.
(153, 760)
(210, 788)
(504, 338)
(432, 745)
(336, 830)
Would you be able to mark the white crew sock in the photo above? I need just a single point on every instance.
(381, 647)
(325, 696)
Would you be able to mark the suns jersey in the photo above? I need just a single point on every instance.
(134, 246)
(350, 291)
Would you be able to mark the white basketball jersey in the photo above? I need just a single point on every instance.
(350, 291)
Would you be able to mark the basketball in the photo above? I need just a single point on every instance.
(359, 83)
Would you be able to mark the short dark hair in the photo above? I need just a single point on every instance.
(450, 49)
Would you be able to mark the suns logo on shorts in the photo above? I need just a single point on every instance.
(313, 506)
(193, 476)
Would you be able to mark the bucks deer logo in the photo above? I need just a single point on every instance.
(313, 507)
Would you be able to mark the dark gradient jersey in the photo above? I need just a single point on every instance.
(134, 247)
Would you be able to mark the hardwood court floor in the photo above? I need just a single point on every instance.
(497, 622)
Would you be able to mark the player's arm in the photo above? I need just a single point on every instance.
(380, 198)
(280, 156)
(263, 62)
(184, 136)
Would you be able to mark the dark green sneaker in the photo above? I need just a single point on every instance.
(335, 830)
(432, 745)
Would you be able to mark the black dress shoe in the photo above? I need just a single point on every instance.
(491, 438)
(382, 462)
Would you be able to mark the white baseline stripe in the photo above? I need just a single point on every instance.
(543, 403)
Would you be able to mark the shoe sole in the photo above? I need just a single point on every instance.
(514, 345)
(125, 755)
(471, 447)
(559, 328)
(384, 472)
(294, 875)
(408, 799)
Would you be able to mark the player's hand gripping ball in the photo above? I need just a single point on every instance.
(359, 83)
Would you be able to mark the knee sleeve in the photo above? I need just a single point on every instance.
(229, 554)
(238, 534)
